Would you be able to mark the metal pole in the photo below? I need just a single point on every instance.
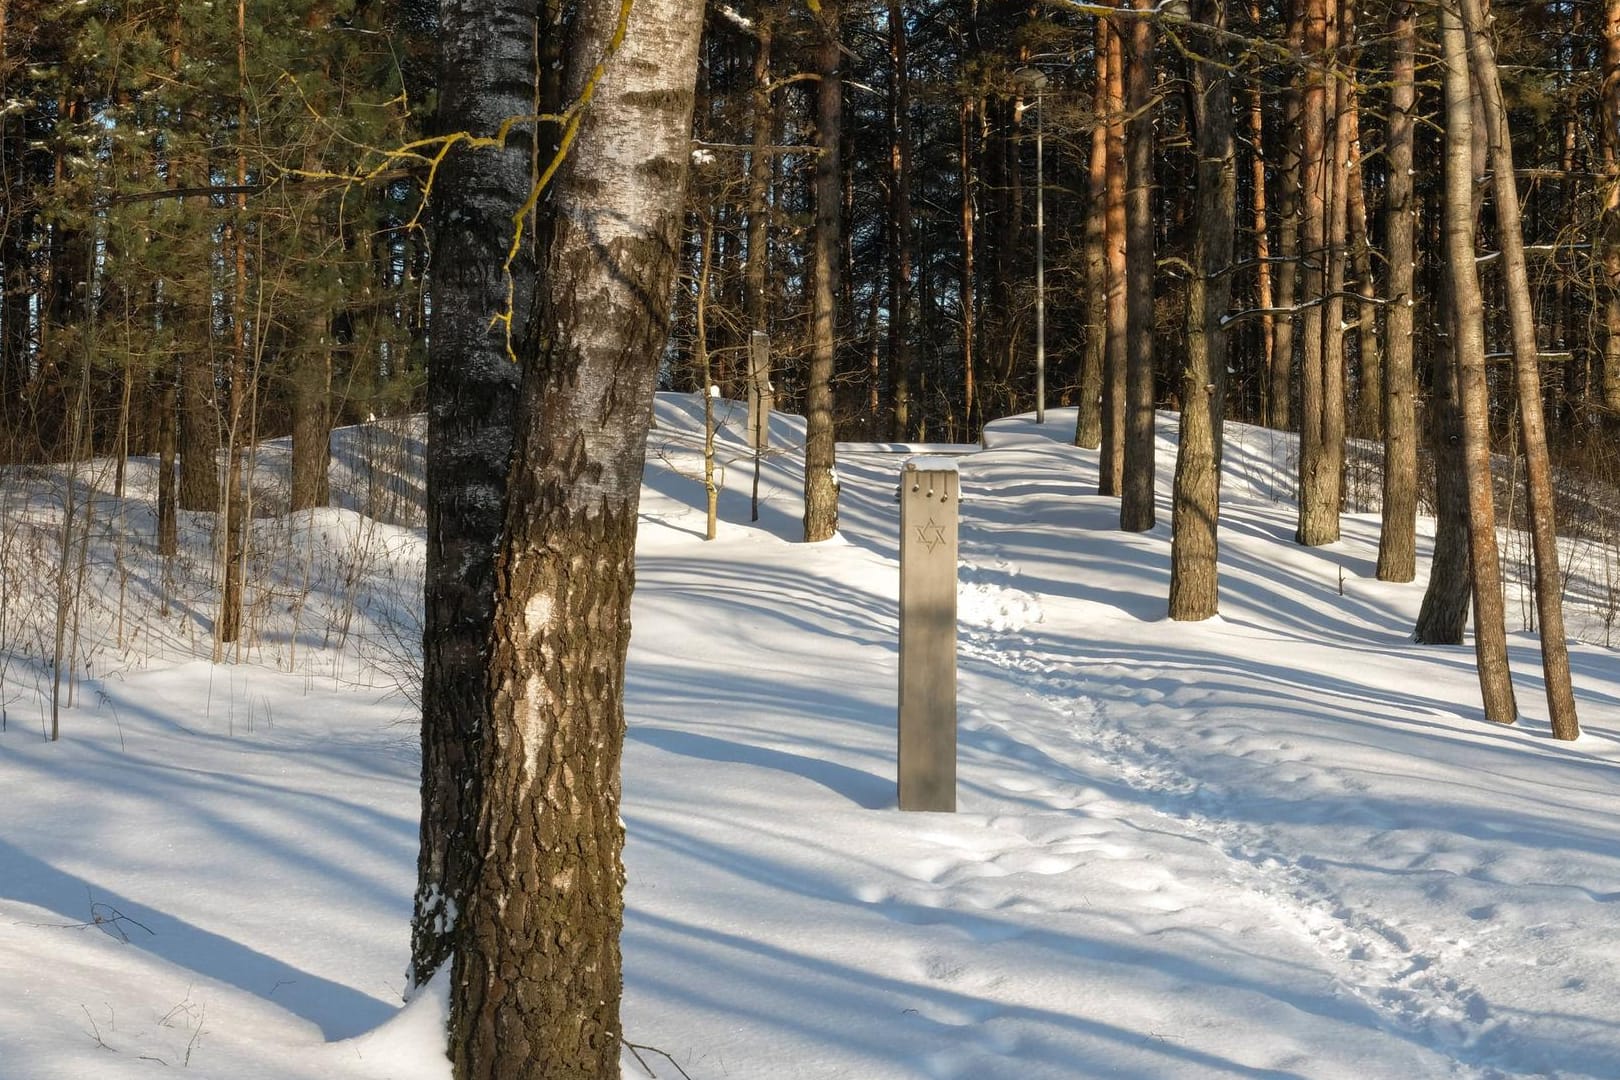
(1040, 261)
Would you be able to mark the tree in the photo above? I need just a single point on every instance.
(1468, 336)
(1111, 467)
(487, 73)
(1136, 506)
(1397, 538)
(537, 978)
(1526, 364)
(820, 447)
(1088, 418)
(1196, 499)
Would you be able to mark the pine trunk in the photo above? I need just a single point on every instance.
(1397, 539)
(1111, 472)
(1468, 322)
(1196, 503)
(820, 477)
(312, 415)
(1136, 507)
(1526, 365)
(901, 243)
(1088, 422)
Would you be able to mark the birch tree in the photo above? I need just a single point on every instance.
(537, 976)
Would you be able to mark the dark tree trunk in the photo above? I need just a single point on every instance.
(537, 979)
(1290, 181)
(1088, 422)
(901, 243)
(1136, 507)
(1609, 132)
(199, 431)
(168, 532)
(487, 73)
(312, 416)
(1196, 504)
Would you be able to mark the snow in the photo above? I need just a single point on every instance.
(1281, 843)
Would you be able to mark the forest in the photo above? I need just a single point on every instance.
(1390, 228)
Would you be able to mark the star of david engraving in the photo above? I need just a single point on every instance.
(930, 535)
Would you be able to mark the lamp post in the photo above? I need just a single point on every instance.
(1035, 79)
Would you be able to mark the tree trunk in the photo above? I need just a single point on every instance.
(1196, 504)
(1321, 335)
(199, 430)
(1136, 508)
(537, 980)
(1370, 386)
(1397, 539)
(968, 284)
(1088, 421)
(1263, 295)
(312, 415)
(1111, 470)
(900, 250)
(168, 532)
(820, 477)
(486, 73)
(1609, 137)
(1490, 635)
(1290, 183)
(1526, 361)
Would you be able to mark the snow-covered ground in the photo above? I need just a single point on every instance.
(1282, 843)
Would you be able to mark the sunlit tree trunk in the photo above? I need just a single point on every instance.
(1526, 363)
(1111, 471)
(1468, 322)
(820, 478)
(1397, 539)
(1196, 504)
(537, 978)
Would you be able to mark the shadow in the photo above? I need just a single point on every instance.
(340, 1011)
(866, 790)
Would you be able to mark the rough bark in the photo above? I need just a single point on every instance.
(820, 476)
(1196, 500)
(1290, 180)
(1094, 298)
(1490, 635)
(1136, 507)
(1263, 295)
(1111, 468)
(968, 283)
(1609, 229)
(901, 243)
(312, 415)
(199, 432)
(487, 73)
(1397, 538)
(1321, 335)
(1369, 354)
(537, 980)
(1533, 425)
